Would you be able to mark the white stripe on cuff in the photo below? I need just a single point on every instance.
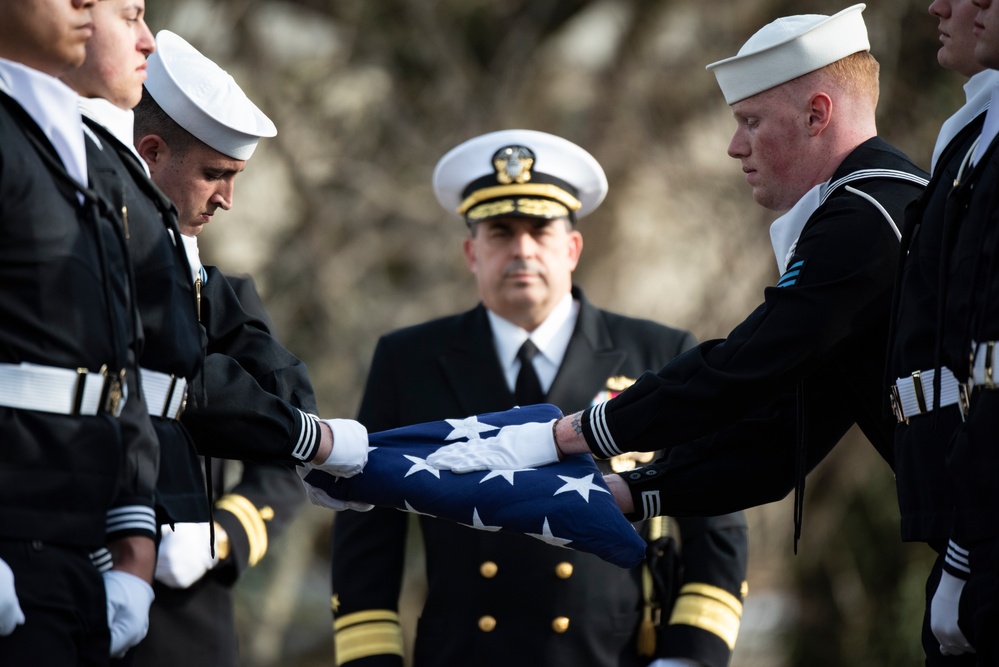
(131, 517)
(601, 433)
(651, 504)
(101, 559)
(306, 437)
(957, 557)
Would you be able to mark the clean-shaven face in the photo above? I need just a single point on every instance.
(47, 35)
(199, 181)
(955, 24)
(770, 141)
(116, 54)
(986, 31)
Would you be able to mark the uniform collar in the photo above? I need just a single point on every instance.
(977, 92)
(551, 337)
(991, 127)
(785, 230)
(193, 257)
(119, 122)
(52, 105)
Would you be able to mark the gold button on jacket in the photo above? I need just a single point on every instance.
(560, 624)
(563, 570)
(487, 624)
(488, 569)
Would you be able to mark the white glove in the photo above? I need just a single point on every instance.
(943, 616)
(350, 448)
(184, 555)
(129, 598)
(10, 609)
(674, 662)
(319, 497)
(516, 447)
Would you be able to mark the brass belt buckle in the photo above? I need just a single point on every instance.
(896, 404)
(183, 404)
(112, 392)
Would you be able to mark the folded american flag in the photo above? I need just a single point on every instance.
(566, 504)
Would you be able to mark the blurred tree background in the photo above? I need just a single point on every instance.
(336, 220)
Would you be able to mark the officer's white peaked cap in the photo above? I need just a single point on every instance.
(203, 99)
(788, 48)
(519, 173)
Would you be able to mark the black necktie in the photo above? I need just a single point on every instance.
(528, 389)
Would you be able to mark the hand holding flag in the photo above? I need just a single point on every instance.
(515, 447)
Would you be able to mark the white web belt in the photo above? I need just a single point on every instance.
(913, 395)
(62, 391)
(166, 395)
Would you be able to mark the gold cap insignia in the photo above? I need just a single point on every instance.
(537, 208)
(513, 164)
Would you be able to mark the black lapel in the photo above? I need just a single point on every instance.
(472, 369)
(589, 360)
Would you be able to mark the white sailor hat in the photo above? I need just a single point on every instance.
(519, 173)
(788, 48)
(203, 99)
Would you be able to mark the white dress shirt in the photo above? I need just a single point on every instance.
(551, 338)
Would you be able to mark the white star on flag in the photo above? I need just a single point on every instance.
(470, 428)
(581, 484)
(504, 474)
(421, 464)
(477, 523)
(546, 536)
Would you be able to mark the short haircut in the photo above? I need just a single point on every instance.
(150, 118)
(857, 75)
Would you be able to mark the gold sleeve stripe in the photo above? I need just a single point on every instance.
(719, 594)
(359, 617)
(520, 189)
(252, 521)
(709, 608)
(367, 633)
